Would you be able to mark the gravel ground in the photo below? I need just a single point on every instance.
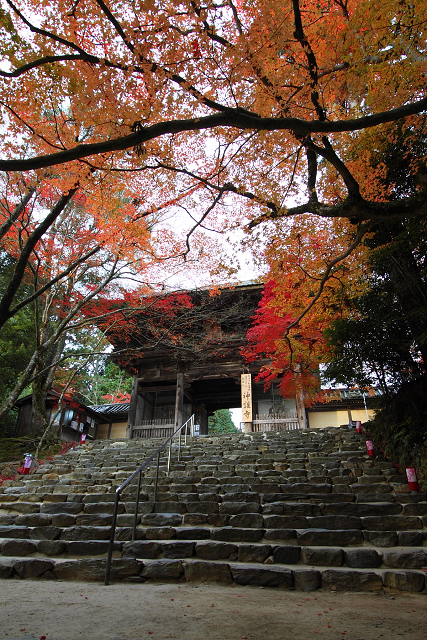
(34, 610)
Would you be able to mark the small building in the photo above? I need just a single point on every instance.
(113, 420)
(347, 405)
(70, 421)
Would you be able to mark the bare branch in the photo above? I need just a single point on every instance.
(46, 287)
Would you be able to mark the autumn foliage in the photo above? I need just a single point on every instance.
(166, 124)
(285, 91)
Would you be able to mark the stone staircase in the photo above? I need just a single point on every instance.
(295, 510)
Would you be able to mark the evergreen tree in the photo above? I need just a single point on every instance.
(221, 422)
(16, 340)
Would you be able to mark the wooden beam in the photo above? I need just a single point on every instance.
(179, 399)
(133, 406)
(156, 388)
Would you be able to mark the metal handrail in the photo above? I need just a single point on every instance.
(188, 425)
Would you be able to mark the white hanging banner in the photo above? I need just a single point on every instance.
(246, 381)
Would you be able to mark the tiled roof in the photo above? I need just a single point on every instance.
(113, 409)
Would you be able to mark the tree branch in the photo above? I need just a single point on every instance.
(311, 60)
(4, 228)
(116, 24)
(21, 264)
(363, 229)
(236, 118)
(43, 32)
(52, 282)
(356, 212)
(328, 152)
(45, 60)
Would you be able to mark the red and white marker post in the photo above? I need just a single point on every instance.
(370, 448)
(28, 459)
(411, 474)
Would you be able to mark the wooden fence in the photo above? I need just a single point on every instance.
(159, 428)
(275, 422)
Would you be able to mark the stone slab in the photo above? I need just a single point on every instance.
(86, 533)
(34, 520)
(94, 570)
(322, 556)
(235, 508)
(161, 519)
(287, 554)
(410, 581)
(262, 576)
(14, 532)
(61, 507)
(348, 580)
(45, 533)
(362, 509)
(335, 522)
(392, 523)
(193, 533)
(405, 559)
(160, 533)
(233, 534)
(381, 538)
(285, 522)
(307, 579)
(325, 537)
(254, 552)
(215, 550)
(32, 568)
(17, 548)
(362, 558)
(142, 549)
(247, 521)
(178, 549)
(163, 569)
(51, 547)
(198, 571)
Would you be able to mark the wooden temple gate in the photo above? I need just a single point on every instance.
(198, 368)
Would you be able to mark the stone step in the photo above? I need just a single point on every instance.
(292, 500)
(209, 544)
(190, 570)
(236, 528)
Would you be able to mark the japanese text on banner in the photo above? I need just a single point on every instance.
(246, 380)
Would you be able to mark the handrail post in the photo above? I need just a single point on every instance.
(136, 505)
(179, 446)
(112, 535)
(169, 456)
(157, 478)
